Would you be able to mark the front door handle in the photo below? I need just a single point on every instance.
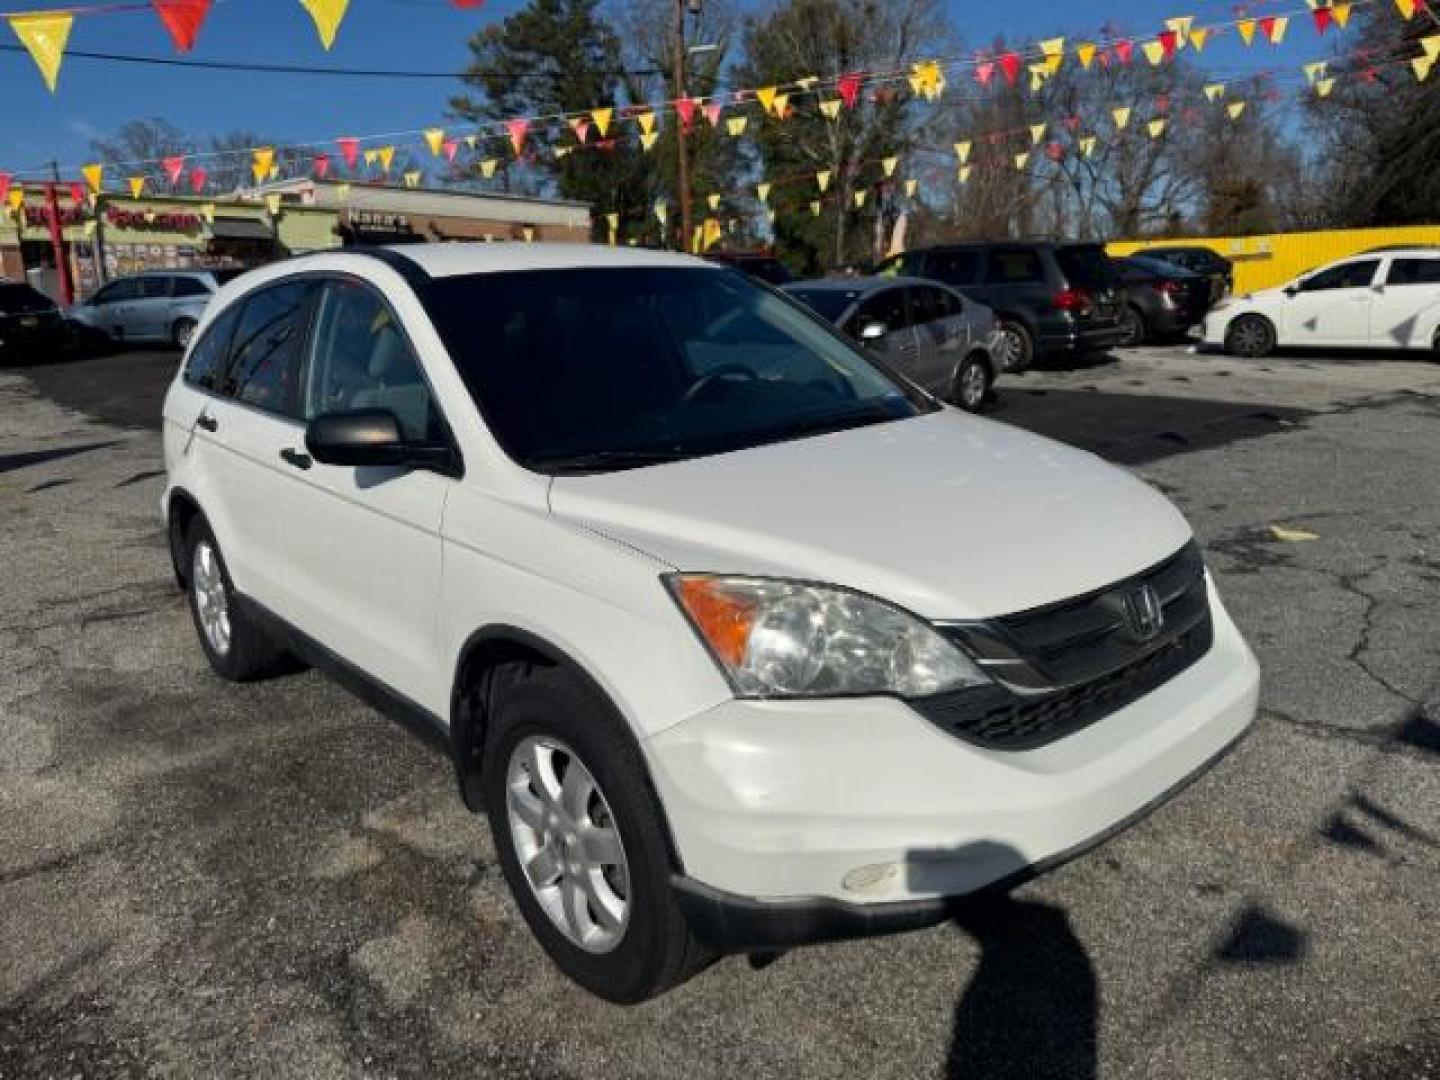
(295, 458)
(206, 421)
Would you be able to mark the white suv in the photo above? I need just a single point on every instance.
(742, 640)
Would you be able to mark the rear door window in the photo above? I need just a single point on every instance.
(1015, 266)
(928, 304)
(117, 292)
(886, 307)
(187, 286)
(1355, 275)
(154, 288)
(264, 371)
(1414, 272)
(956, 268)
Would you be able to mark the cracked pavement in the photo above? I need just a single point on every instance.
(199, 879)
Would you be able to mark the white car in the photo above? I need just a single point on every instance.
(741, 642)
(1386, 299)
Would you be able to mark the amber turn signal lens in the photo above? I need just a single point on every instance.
(723, 618)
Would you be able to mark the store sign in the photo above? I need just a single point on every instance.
(163, 220)
(38, 217)
(379, 221)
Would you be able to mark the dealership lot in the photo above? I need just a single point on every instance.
(198, 879)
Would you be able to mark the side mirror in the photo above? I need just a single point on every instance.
(873, 331)
(373, 437)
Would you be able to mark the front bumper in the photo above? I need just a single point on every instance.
(794, 813)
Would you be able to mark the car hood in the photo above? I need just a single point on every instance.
(948, 515)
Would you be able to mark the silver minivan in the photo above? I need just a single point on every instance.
(160, 306)
(925, 330)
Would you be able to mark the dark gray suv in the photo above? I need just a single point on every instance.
(1049, 298)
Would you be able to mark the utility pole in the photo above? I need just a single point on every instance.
(683, 163)
(57, 237)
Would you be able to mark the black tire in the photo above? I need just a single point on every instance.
(251, 653)
(181, 333)
(1250, 336)
(1016, 351)
(1132, 327)
(973, 383)
(656, 950)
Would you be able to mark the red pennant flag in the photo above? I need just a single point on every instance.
(182, 18)
(1124, 50)
(1169, 39)
(322, 166)
(198, 177)
(517, 130)
(349, 150)
(174, 166)
(1010, 65)
(984, 72)
(686, 108)
(1162, 103)
(450, 148)
(77, 193)
(581, 127)
(1323, 19)
(848, 88)
(1054, 151)
(1267, 27)
(712, 113)
(465, 4)
(4, 186)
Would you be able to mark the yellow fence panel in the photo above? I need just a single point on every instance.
(1263, 262)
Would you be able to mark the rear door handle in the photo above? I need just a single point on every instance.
(208, 422)
(295, 458)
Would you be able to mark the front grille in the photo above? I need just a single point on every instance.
(1060, 667)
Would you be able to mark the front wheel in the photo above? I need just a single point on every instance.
(1014, 347)
(972, 384)
(1250, 336)
(580, 837)
(237, 648)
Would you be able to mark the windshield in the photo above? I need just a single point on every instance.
(22, 299)
(829, 304)
(1086, 266)
(590, 370)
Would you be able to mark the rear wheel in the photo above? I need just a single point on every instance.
(1014, 347)
(1132, 328)
(972, 384)
(580, 837)
(1250, 336)
(182, 332)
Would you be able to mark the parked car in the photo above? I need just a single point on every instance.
(1199, 260)
(1389, 300)
(1049, 299)
(759, 265)
(1162, 301)
(162, 306)
(31, 327)
(930, 334)
(740, 641)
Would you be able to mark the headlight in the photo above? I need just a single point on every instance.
(786, 639)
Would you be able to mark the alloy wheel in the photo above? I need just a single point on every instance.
(212, 603)
(567, 843)
(973, 386)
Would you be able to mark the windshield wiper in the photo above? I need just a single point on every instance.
(608, 460)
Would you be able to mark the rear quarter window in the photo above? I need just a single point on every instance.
(1086, 266)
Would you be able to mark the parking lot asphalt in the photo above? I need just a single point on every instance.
(199, 879)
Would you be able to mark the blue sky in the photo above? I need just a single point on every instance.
(96, 97)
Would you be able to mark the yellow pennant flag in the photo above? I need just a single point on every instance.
(1407, 8)
(648, 139)
(962, 151)
(1037, 132)
(371, 156)
(911, 186)
(713, 233)
(661, 209)
(272, 203)
(207, 211)
(434, 139)
(1341, 14)
(1198, 37)
(1180, 27)
(766, 96)
(94, 177)
(1157, 128)
(831, 109)
(562, 152)
(1154, 52)
(763, 190)
(822, 180)
(412, 178)
(1214, 92)
(1247, 30)
(1431, 45)
(1086, 53)
(1054, 52)
(782, 103)
(44, 37)
(263, 160)
(1324, 86)
(815, 208)
(1038, 74)
(964, 174)
(713, 201)
(1314, 72)
(735, 125)
(1422, 66)
(327, 15)
(1235, 108)
(16, 198)
(1122, 117)
(602, 120)
(1021, 160)
(928, 79)
(1278, 28)
(612, 223)
(889, 165)
(770, 216)
(808, 82)
(1087, 145)
(488, 166)
(137, 185)
(385, 155)
(470, 141)
(860, 199)
(646, 120)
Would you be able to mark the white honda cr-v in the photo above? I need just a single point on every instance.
(741, 640)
